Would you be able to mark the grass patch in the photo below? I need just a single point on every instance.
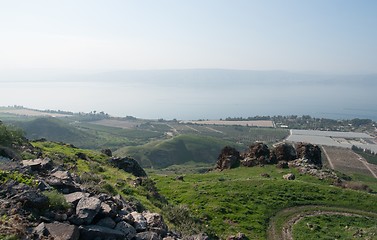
(240, 200)
(335, 227)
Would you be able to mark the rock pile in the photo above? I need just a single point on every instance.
(86, 215)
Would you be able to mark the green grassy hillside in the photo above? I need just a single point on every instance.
(177, 150)
(241, 200)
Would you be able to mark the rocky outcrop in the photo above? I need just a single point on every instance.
(259, 152)
(129, 165)
(310, 152)
(285, 152)
(228, 158)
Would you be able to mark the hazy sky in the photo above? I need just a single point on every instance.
(92, 36)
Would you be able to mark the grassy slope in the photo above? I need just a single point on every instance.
(177, 150)
(240, 200)
(96, 173)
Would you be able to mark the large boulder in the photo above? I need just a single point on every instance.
(310, 152)
(228, 158)
(32, 199)
(129, 165)
(285, 152)
(140, 223)
(86, 209)
(75, 197)
(147, 236)
(63, 181)
(38, 164)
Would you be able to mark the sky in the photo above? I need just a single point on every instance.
(328, 36)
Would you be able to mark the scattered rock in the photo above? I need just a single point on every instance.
(129, 165)
(106, 222)
(87, 208)
(282, 164)
(147, 236)
(179, 178)
(81, 155)
(128, 230)
(38, 164)
(228, 158)
(239, 236)
(265, 175)
(75, 197)
(289, 176)
(140, 223)
(156, 223)
(91, 232)
(63, 231)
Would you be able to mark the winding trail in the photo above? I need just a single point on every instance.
(296, 214)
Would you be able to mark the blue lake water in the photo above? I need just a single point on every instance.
(190, 100)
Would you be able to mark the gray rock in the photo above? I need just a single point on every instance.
(128, 230)
(108, 210)
(156, 223)
(95, 232)
(140, 223)
(38, 164)
(147, 236)
(75, 197)
(289, 176)
(87, 208)
(62, 231)
(41, 230)
(106, 222)
(129, 165)
(33, 199)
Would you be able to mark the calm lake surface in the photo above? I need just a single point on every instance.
(190, 100)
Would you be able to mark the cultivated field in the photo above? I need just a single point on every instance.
(32, 113)
(116, 123)
(256, 123)
(345, 160)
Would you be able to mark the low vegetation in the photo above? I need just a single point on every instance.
(242, 200)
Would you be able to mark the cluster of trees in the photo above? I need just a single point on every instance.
(361, 150)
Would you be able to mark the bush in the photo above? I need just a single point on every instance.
(56, 200)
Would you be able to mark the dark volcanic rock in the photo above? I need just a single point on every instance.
(310, 152)
(128, 230)
(33, 199)
(156, 223)
(100, 233)
(87, 209)
(228, 158)
(285, 152)
(129, 165)
(63, 231)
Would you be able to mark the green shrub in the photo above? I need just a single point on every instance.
(108, 188)
(180, 216)
(56, 200)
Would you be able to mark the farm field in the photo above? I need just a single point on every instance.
(31, 113)
(254, 123)
(346, 161)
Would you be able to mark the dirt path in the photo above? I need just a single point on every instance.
(212, 129)
(296, 214)
(196, 130)
(328, 158)
(366, 164)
